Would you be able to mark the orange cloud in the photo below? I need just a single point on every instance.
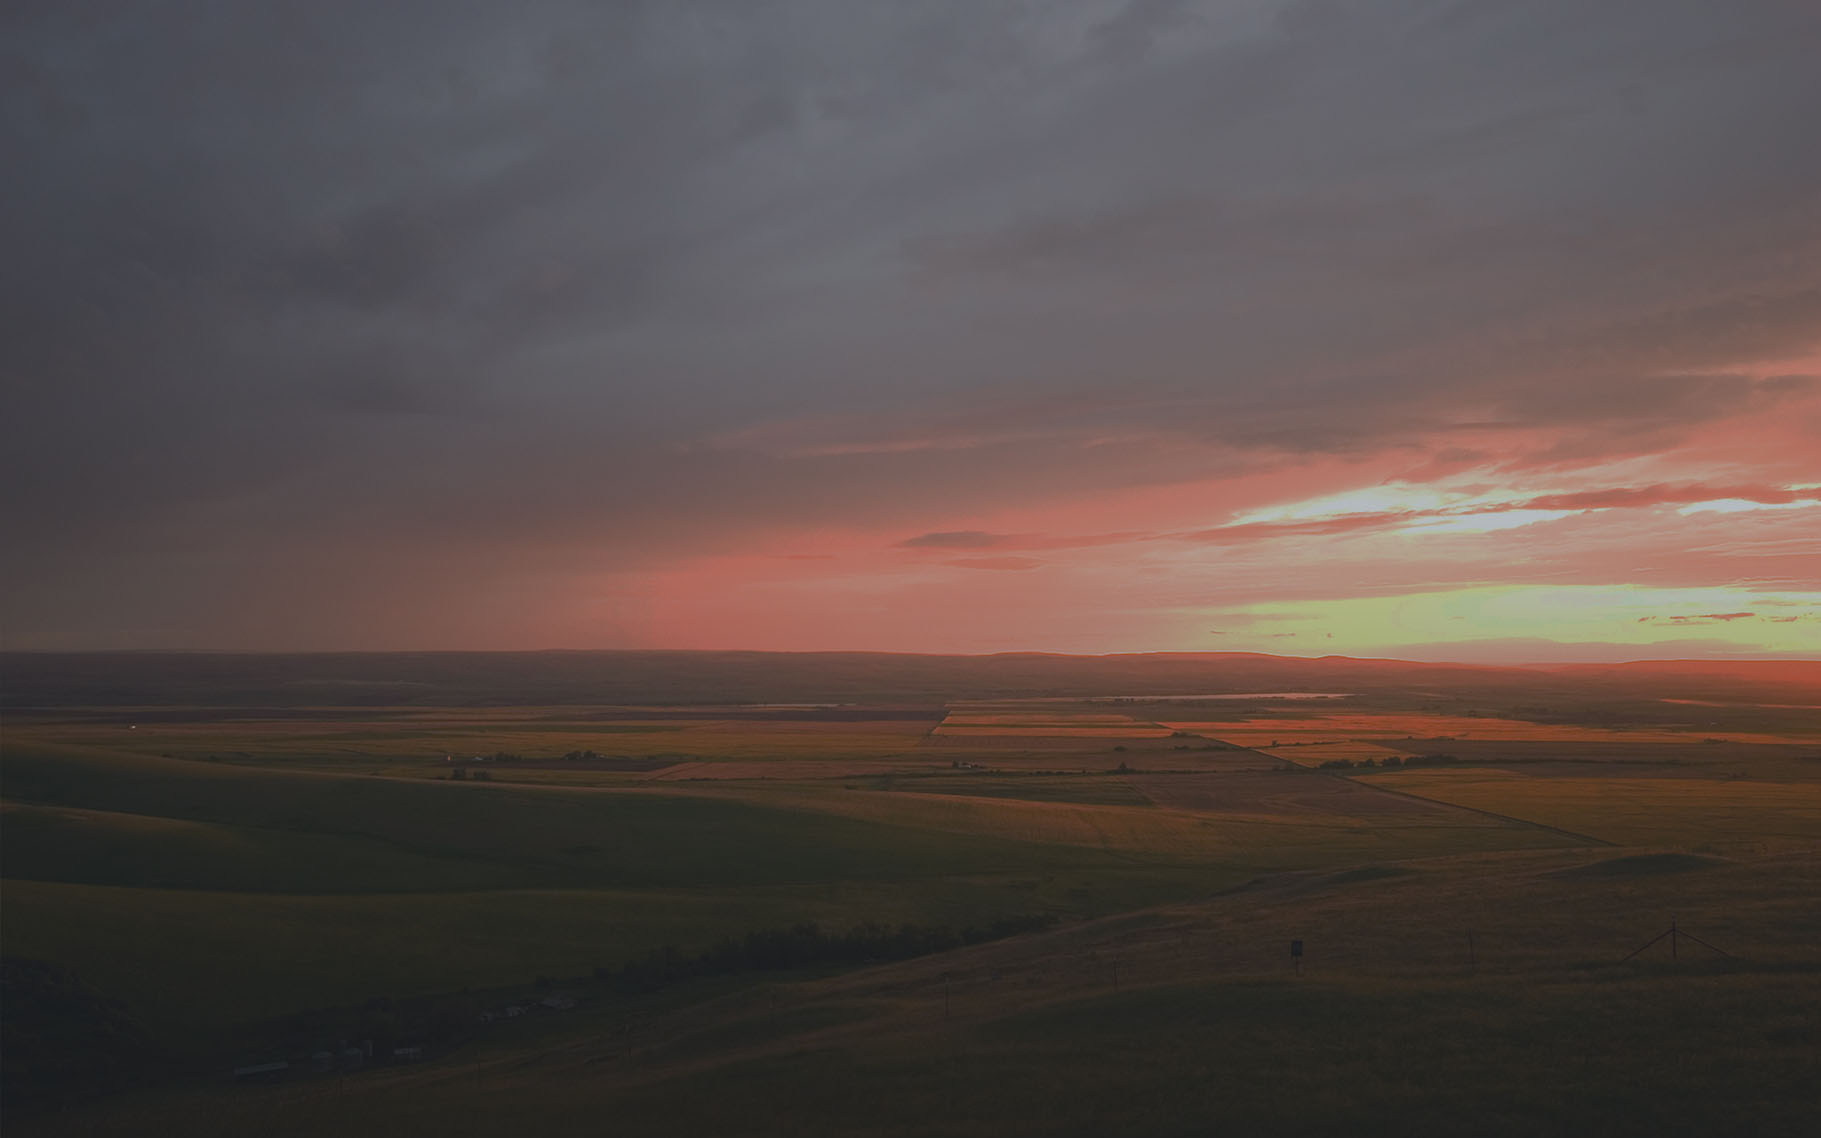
(1703, 618)
(1014, 563)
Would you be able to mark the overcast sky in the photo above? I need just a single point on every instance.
(1477, 330)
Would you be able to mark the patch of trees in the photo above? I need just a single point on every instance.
(1430, 760)
(1391, 762)
(806, 945)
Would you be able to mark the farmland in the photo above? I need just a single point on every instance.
(1040, 1035)
(218, 872)
(1635, 809)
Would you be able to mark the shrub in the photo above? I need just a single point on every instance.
(1440, 760)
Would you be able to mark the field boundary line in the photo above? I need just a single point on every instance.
(1440, 802)
(1476, 810)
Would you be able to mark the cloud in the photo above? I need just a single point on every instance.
(539, 300)
(1541, 650)
(1480, 514)
(976, 539)
(1320, 527)
(1011, 563)
(1703, 618)
(1638, 496)
(959, 539)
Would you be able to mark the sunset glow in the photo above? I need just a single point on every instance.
(843, 568)
(1054, 354)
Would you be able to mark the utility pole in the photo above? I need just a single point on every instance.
(1675, 936)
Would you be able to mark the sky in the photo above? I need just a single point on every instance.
(1441, 329)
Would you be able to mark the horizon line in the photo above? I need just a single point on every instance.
(1527, 663)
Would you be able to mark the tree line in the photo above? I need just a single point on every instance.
(806, 945)
(1393, 762)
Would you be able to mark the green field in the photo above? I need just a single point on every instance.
(1636, 809)
(1389, 1029)
(213, 877)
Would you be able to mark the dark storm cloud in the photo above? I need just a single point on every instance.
(617, 281)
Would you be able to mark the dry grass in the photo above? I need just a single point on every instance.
(786, 769)
(1039, 725)
(1279, 795)
(1134, 830)
(1388, 1030)
(430, 736)
(1680, 812)
(999, 743)
(1265, 819)
(1314, 754)
(1037, 719)
(1266, 731)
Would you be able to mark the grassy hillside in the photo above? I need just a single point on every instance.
(196, 967)
(208, 886)
(1390, 1029)
(535, 836)
(1635, 810)
(208, 895)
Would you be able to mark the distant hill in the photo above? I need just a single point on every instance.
(364, 679)
(1799, 672)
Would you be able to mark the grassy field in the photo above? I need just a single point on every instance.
(1101, 790)
(1699, 813)
(1268, 820)
(1390, 1028)
(198, 966)
(531, 835)
(203, 893)
(1272, 731)
(217, 870)
(1028, 723)
(419, 737)
(280, 886)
